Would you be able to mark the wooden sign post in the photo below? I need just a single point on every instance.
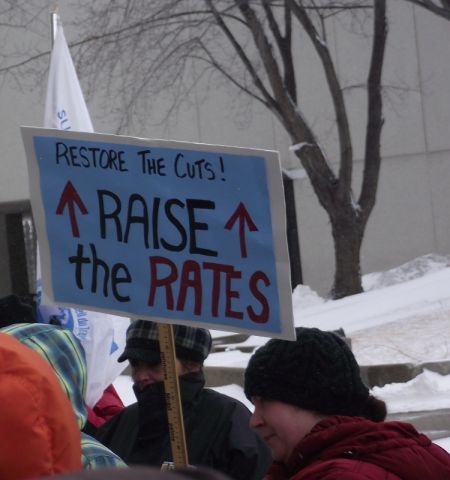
(173, 397)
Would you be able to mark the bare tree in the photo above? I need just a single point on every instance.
(439, 7)
(139, 50)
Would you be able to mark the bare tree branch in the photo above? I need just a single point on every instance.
(245, 60)
(346, 153)
(284, 46)
(312, 158)
(138, 55)
(439, 7)
(211, 61)
(375, 120)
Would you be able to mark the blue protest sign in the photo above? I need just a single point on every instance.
(174, 232)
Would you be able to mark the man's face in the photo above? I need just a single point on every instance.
(144, 374)
(281, 425)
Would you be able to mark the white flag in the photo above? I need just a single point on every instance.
(102, 335)
(65, 107)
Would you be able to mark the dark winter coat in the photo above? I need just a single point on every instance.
(350, 448)
(217, 431)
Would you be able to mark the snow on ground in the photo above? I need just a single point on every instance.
(414, 395)
(444, 443)
(418, 339)
(403, 317)
(409, 271)
(124, 387)
(425, 296)
(403, 322)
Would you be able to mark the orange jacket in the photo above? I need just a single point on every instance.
(39, 434)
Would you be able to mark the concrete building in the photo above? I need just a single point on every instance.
(411, 214)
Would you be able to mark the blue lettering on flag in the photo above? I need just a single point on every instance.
(114, 347)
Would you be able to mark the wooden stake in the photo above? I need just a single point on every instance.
(173, 397)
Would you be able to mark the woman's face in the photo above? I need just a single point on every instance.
(281, 425)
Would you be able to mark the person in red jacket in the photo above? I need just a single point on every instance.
(108, 405)
(321, 422)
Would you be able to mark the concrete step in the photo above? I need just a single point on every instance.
(435, 423)
(219, 376)
(219, 341)
(380, 375)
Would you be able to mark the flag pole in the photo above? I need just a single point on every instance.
(54, 25)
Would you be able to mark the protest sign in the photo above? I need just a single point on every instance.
(174, 232)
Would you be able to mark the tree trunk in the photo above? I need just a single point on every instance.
(348, 232)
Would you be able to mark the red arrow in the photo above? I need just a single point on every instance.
(243, 216)
(71, 198)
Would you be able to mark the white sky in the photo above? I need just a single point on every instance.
(403, 318)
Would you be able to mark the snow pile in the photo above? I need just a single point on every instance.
(424, 296)
(416, 268)
(304, 297)
(417, 339)
(444, 443)
(415, 395)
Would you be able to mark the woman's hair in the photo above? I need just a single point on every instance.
(374, 409)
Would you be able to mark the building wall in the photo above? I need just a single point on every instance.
(17, 108)
(411, 214)
(5, 282)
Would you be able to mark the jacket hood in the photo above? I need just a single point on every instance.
(36, 417)
(65, 354)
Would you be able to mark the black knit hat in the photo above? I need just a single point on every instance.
(316, 372)
(143, 343)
